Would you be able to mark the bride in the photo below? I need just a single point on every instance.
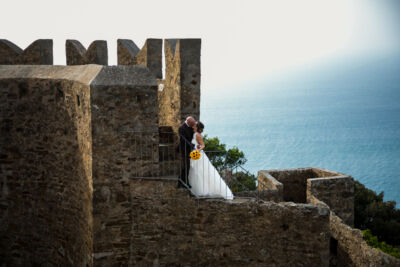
(203, 177)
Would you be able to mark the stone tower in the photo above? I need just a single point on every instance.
(180, 96)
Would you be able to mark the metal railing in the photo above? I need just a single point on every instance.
(162, 155)
(152, 154)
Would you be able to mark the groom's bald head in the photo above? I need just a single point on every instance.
(190, 121)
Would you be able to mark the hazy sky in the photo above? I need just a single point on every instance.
(241, 40)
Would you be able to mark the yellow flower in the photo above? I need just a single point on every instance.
(195, 154)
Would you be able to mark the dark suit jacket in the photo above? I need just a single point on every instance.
(185, 132)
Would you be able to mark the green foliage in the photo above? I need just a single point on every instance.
(226, 160)
(374, 242)
(380, 217)
(220, 157)
(244, 181)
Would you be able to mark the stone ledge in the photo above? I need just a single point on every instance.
(127, 76)
(83, 74)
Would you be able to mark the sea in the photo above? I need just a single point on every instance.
(342, 115)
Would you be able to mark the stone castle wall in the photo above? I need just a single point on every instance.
(169, 103)
(180, 96)
(45, 166)
(125, 144)
(312, 185)
(77, 54)
(337, 192)
(149, 56)
(351, 249)
(39, 52)
(72, 138)
(334, 191)
(166, 226)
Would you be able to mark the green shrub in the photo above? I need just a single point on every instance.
(380, 217)
(374, 242)
(243, 182)
(228, 160)
(221, 157)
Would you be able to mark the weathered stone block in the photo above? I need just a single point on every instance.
(77, 54)
(313, 185)
(40, 52)
(267, 181)
(337, 192)
(149, 56)
(351, 249)
(125, 137)
(180, 96)
(291, 181)
(166, 226)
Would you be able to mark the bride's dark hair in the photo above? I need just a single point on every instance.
(200, 126)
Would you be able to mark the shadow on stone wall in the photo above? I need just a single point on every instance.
(46, 200)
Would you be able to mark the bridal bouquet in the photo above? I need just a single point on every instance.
(195, 154)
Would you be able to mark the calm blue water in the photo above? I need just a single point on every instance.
(343, 117)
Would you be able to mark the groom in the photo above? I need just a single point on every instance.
(185, 147)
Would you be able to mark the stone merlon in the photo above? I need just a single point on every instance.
(40, 52)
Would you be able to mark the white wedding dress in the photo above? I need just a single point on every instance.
(205, 179)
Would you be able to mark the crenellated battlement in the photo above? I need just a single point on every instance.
(40, 52)
(149, 56)
(77, 54)
(182, 55)
(80, 134)
(84, 180)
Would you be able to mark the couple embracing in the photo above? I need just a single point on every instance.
(200, 176)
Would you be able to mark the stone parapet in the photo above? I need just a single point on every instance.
(267, 181)
(350, 249)
(149, 56)
(160, 225)
(313, 185)
(77, 54)
(337, 192)
(40, 52)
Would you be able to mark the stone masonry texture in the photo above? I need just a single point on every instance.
(149, 56)
(169, 103)
(125, 144)
(311, 185)
(84, 181)
(353, 251)
(45, 166)
(181, 94)
(293, 182)
(40, 52)
(77, 54)
(165, 226)
(337, 192)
